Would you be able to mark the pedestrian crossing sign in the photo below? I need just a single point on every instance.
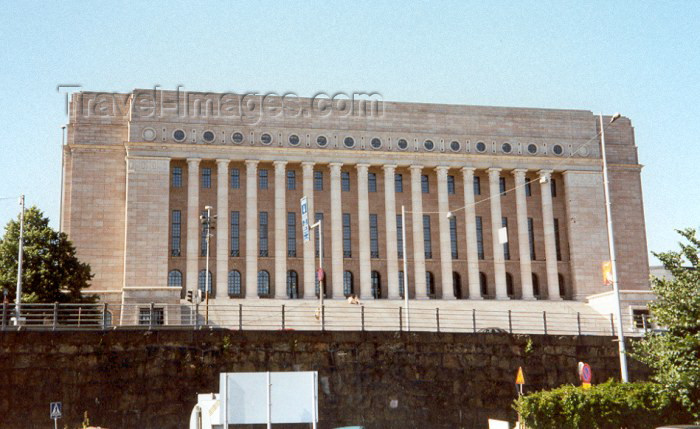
(56, 410)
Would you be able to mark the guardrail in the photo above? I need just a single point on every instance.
(337, 317)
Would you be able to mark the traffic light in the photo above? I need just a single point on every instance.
(189, 296)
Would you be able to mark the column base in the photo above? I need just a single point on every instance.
(528, 298)
(558, 298)
(503, 298)
(422, 298)
(475, 298)
(448, 298)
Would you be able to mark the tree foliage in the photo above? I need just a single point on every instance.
(610, 405)
(674, 352)
(51, 272)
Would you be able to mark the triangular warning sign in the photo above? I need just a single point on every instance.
(520, 378)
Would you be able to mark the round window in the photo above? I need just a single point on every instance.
(237, 137)
(179, 135)
(149, 134)
(402, 144)
(532, 148)
(455, 146)
(349, 142)
(294, 140)
(376, 143)
(583, 151)
(208, 136)
(322, 141)
(557, 149)
(481, 147)
(266, 138)
(506, 148)
(429, 145)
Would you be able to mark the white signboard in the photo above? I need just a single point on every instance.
(305, 220)
(269, 397)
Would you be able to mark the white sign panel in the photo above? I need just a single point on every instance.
(290, 397)
(305, 220)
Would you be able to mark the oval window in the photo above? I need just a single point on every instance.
(402, 144)
(455, 146)
(532, 148)
(294, 140)
(266, 138)
(506, 148)
(237, 137)
(557, 149)
(376, 143)
(349, 142)
(322, 141)
(179, 135)
(208, 136)
(429, 145)
(481, 147)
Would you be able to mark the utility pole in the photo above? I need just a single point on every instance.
(18, 298)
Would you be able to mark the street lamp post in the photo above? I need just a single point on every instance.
(206, 222)
(611, 249)
(63, 163)
(18, 297)
(319, 225)
(405, 266)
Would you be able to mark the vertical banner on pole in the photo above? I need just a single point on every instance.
(305, 220)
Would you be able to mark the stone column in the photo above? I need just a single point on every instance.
(309, 277)
(392, 263)
(251, 229)
(280, 230)
(336, 232)
(444, 225)
(550, 249)
(523, 236)
(192, 224)
(470, 229)
(499, 266)
(363, 226)
(417, 221)
(222, 225)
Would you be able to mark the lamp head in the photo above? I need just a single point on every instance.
(615, 117)
(450, 215)
(208, 207)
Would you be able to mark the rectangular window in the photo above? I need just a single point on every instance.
(502, 185)
(373, 236)
(557, 243)
(145, 316)
(262, 178)
(553, 184)
(477, 185)
(235, 237)
(372, 182)
(318, 180)
(262, 234)
(425, 184)
(235, 178)
(177, 177)
(398, 183)
(347, 236)
(291, 180)
(345, 181)
(451, 185)
(317, 217)
(175, 233)
(399, 234)
(453, 237)
(291, 234)
(427, 244)
(506, 245)
(206, 178)
(531, 237)
(528, 187)
(480, 237)
(203, 237)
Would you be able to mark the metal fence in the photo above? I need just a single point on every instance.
(335, 317)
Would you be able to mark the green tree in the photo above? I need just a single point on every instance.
(674, 354)
(51, 272)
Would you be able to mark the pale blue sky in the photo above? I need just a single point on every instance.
(639, 58)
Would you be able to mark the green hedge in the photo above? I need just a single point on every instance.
(611, 405)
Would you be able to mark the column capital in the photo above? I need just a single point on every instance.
(194, 161)
(360, 167)
(335, 167)
(386, 167)
(468, 170)
(307, 165)
(279, 163)
(441, 170)
(494, 172)
(417, 168)
(520, 173)
(545, 174)
(222, 161)
(251, 162)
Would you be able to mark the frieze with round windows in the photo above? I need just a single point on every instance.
(455, 146)
(294, 140)
(428, 145)
(208, 136)
(237, 138)
(265, 138)
(376, 143)
(532, 148)
(481, 147)
(149, 134)
(179, 135)
(506, 148)
(349, 142)
(557, 149)
(322, 141)
(402, 144)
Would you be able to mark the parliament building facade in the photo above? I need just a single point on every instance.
(500, 203)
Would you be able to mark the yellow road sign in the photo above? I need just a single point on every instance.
(520, 378)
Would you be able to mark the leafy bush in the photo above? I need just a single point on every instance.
(611, 405)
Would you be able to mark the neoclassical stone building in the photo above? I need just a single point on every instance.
(503, 203)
